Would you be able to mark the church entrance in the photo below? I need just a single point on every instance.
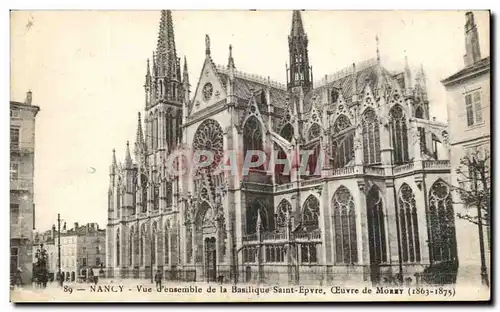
(210, 259)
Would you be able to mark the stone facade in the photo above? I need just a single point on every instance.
(367, 210)
(22, 206)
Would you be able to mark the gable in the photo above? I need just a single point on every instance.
(209, 89)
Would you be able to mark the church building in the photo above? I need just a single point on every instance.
(376, 205)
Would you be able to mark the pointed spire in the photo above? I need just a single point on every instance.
(128, 159)
(422, 75)
(297, 26)
(378, 51)
(185, 73)
(207, 45)
(113, 161)
(165, 48)
(148, 74)
(230, 63)
(407, 74)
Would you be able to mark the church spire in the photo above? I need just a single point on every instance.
(112, 168)
(299, 73)
(128, 158)
(378, 50)
(230, 62)
(139, 140)
(297, 26)
(165, 48)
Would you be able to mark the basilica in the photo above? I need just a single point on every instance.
(375, 207)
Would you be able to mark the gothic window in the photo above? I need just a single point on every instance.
(310, 213)
(144, 190)
(342, 142)
(118, 198)
(284, 211)
(189, 243)
(287, 132)
(118, 248)
(131, 247)
(167, 240)
(399, 135)
(255, 208)
(168, 127)
(142, 245)
(168, 193)
(282, 163)
(308, 253)
(314, 161)
(156, 201)
(344, 224)
(314, 132)
(153, 244)
(423, 141)
(334, 95)
(371, 137)
(155, 132)
(441, 224)
(252, 138)
(208, 137)
(376, 227)
(178, 125)
(408, 225)
(419, 112)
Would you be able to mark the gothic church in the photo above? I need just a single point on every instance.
(379, 206)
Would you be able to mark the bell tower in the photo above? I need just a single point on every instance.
(300, 73)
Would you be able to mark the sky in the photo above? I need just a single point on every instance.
(86, 71)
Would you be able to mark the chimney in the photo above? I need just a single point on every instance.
(29, 98)
(76, 226)
(472, 51)
(53, 233)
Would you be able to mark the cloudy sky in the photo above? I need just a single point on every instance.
(86, 71)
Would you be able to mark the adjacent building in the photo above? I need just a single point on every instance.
(82, 250)
(468, 100)
(376, 207)
(22, 206)
(47, 240)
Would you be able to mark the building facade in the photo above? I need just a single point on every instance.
(49, 243)
(468, 101)
(22, 206)
(375, 205)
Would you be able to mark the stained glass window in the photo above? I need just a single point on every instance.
(310, 213)
(344, 224)
(441, 223)
(284, 210)
(408, 225)
(208, 137)
(376, 226)
(399, 135)
(287, 132)
(252, 139)
(371, 137)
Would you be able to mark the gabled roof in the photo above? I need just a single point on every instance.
(470, 70)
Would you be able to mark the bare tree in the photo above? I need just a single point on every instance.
(474, 192)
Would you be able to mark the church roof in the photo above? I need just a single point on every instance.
(366, 74)
(244, 83)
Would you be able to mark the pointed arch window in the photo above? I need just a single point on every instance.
(342, 142)
(282, 166)
(156, 197)
(441, 224)
(118, 248)
(255, 208)
(371, 137)
(131, 247)
(154, 241)
(344, 224)
(189, 243)
(376, 227)
(408, 225)
(252, 138)
(310, 213)
(168, 193)
(142, 245)
(399, 134)
(144, 192)
(419, 112)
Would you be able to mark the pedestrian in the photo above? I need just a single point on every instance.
(158, 278)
